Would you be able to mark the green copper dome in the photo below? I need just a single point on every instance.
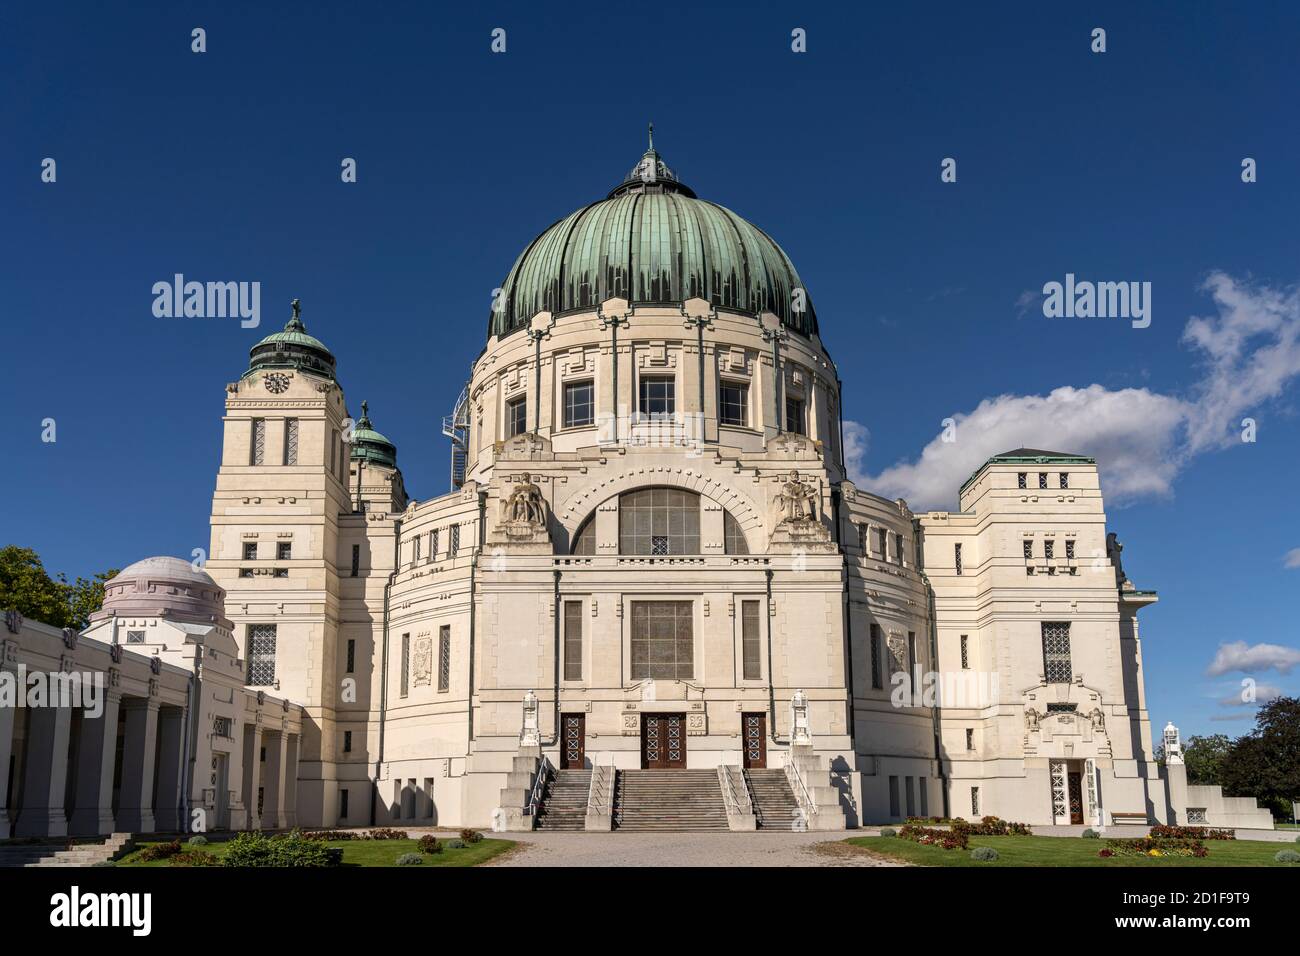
(651, 241)
(369, 445)
(291, 348)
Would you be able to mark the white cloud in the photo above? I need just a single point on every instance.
(1291, 559)
(1249, 353)
(1247, 658)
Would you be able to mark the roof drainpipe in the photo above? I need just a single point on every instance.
(555, 737)
(771, 688)
(189, 754)
(383, 673)
(934, 657)
(473, 592)
(848, 624)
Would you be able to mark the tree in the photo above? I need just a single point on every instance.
(1204, 757)
(26, 587)
(1265, 764)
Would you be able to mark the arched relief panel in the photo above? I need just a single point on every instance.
(576, 509)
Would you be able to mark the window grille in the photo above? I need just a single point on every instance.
(444, 658)
(573, 640)
(751, 642)
(579, 404)
(259, 441)
(1056, 652)
(291, 441)
(261, 655)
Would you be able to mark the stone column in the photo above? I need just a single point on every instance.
(167, 792)
(48, 735)
(252, 774)
(6, 751)
(290, 801)
(96, 757)
(140, 742)
(273, 814)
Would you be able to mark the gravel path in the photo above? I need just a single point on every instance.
(684, 849)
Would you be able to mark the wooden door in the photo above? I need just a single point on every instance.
(573, 744)
(754, 741)
(1076, 797)
(663, 742)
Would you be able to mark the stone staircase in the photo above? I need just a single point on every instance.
(774, 804)
(669, 800)
(564, 803)
(65, 854)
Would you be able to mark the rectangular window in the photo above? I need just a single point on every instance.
(453, 545)
(291, 441)
(516, 416)
(406, 664)
(1069, 549)
(1021, 480)
(245, 572)
(974, 801)
(281, 572)
(733, 403)
(750, 641)
(970, 738)
(356, 559)
(259, 442)
(910, 789)
(863, 543)
(794, 416)
(284, 550)
(898, 548)
(893, 797)
(352, 656)
(965, 653)
(875, 658)
(579, 404)
(1056, 652)
(261, 655)
(911, 656)
(135, 637)
(1049, 549)
(663, 640)
(444, 658)
(415, 549)
(573, 640)
(221, 727)
(343, 805)
(956, 557)
(1042, 479)
(347, 741)
(659, 521)
(433, 544)
(658, 396)
(1065, 479)
(250, 550)
(925, 798)
(1029, 549)
(881, 539)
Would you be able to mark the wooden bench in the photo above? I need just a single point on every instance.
(1130, 819)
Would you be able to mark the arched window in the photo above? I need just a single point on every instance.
(584, 542)
(733, 536)
(659, 521)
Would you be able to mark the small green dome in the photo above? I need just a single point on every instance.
(652, 242)
(291, 348)
(370, 445)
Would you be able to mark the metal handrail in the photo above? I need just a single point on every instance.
(803, 788)
(539, 785)
(735, 797)
(595, 803)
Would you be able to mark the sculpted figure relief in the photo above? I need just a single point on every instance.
(797, 500)
(1031, 719)
(526, 503)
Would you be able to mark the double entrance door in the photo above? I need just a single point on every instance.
(663, 741)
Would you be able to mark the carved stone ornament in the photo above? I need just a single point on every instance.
(1032, 717)
(530, 733)
(800, 728)
(115, 652)
(422, 663)
(797, 500)
(13, 621)
(70, 638)
(155, 665)
(526, 503)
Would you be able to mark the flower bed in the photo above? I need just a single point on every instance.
(947, 839)
(991, 826)
(1191, 833)
(1156, 846)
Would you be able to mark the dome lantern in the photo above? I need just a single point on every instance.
(291, 348)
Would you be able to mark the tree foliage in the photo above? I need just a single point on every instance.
(1265, 764)
(26, 587)
(1204, 757)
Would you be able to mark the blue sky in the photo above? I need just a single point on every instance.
(1116, 166)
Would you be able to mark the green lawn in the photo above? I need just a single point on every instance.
(1069, 851)
(369, 853)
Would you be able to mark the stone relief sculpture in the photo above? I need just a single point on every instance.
(1098, 720)
(1113, 550)
(1032, 718)
(526, 503)
(797, 500)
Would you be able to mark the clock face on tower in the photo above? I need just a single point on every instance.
(277, 382)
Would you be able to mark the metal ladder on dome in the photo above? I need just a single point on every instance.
(456, 427)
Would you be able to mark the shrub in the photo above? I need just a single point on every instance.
(1297, 839)
(985, 854)
(953, 839)
(1090, 834)
(928, 821)
(1152, 846)
(1106, 854)
(198, 840)
(455, 844)
(429, 844)
(888, 832)
(1163, 832)
(259, 849)
(470, 836)
(385, 833)
(193, 858)
(331, 835)
(160, 851)
(1287, 856)
(410, 859)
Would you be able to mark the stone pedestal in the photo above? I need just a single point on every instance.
(518, 537)
(804, 535)
(512, 812)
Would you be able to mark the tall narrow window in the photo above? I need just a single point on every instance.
(291, 441)
(433, 544)
(343, 805)
(1042, 479)
(734, 538)
(965, 653)
(1029, 549)
(658, 395)
(863, 543)
(663, 644)
(733, 403)
(453, 544)
(415, 549)
(1021, 480)
(516, 416)
(1069, 549)
(1065, 479)
(356, 559)
(579, 404)
(444, 658)
(261, 655)
(283, 550)
(795, 417)
(911, 656)
(334, 451)
(875, 658)
(974, 801)
(406, 664)
(970, 738)
(882, 536)
(250, 550)
(750, 641)
(898, 548)
(352, 656)
(259, 441)
(1056, 652)
(347, 741)
(956, 557)
(1049, 549)
(573, 640)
